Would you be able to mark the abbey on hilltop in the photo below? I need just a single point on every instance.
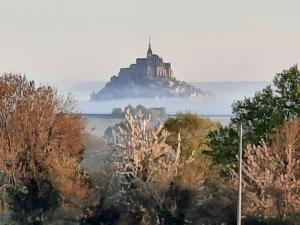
(148, 77)
(152, 67)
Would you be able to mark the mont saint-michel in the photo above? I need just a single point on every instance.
(149, 77)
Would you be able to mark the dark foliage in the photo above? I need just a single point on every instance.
(257, 221)
(268, 109)
(28, 205)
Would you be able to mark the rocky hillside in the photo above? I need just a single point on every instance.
(119, 88)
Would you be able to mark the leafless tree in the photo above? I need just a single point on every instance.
(271, 175)
(145, 163)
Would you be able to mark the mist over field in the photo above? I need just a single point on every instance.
(222, 95)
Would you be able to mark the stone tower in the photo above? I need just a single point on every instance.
(149, 52)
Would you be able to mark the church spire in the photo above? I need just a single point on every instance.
(149, 52)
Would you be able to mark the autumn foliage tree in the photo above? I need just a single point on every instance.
(40, 150)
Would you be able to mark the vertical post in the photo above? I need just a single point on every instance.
(239, 210)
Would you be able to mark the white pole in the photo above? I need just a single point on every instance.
(239, 211)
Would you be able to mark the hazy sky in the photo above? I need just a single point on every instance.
(70, 41)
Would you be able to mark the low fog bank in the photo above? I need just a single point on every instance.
(203, 106)
(97, 124)
(223, 95)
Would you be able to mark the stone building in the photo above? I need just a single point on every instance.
(152, 66)
(149, 77)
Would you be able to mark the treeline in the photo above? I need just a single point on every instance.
(180, 172)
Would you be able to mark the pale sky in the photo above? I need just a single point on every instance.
(69, 41)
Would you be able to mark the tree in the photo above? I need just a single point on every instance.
(193, 131)
(287, 85)
(271, 175)
(268, 109)
(145, 168)
(223, 145)
(40, 150)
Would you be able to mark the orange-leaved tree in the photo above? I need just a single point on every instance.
(41, 147)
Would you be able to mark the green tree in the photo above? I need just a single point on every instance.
(268, 109)
(193, 132)
(287, 86)
(223, 145)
